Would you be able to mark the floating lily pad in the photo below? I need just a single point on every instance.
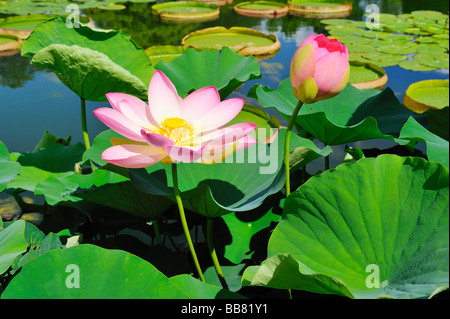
(184, 11)
(423, 95)
(396, 49)
(396, 37)
(22, 26)
(345, 31)
(414, 65)
(383, 59)
(242, 40)
(415, 31)
(165, 53)
(359, 48)
(112, 6)
(319, 9)
(441, 36)
(9, 43)
(426, 48)
(262, 9)
(434, 60)
(367, 76)
(337, 21)
(427, 40)
(352, 40)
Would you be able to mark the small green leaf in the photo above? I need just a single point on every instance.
(12, 244)
(224, 69)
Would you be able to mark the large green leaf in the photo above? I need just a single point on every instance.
(102, 187)
(87, 60)
(353, 115)
(54, 159)
(8, 169)
(241, 230)
(195, 289)
(91, 73)
(224, 69)
(285, 272)
(380, 225)
(437, 147)
(58, 189)
(12, 244)
(240, 183)
(90, 272)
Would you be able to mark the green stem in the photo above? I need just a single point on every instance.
(286, 146)
(87, 144)
(184, 222)
(212, 251)
(84, 125)
(157, 233)
(327, 162)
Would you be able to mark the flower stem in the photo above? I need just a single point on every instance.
(286, 146)
(84, 125)
(327, 162)
(212, 251)
(157, 233)
(184, 222)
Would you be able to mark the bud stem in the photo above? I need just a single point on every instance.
(286, 146)
(87, 144)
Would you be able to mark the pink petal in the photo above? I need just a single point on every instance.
(309, 40)
(135, 109)
(322, 41)
(217, 152)
(302, 64)
(163, 98)
(246, 142)
(133, 156)
(221, 113)
(156, 140)
(227, 135)
(183, 154)
(119, 123)
(198, 103)
(334, 46)
(329, 71)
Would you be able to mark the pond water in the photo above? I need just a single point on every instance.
(33, 100)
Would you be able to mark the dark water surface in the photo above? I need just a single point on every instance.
(33, 100)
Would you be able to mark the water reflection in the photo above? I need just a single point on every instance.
(16, 70)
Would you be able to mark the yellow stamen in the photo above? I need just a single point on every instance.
(176, 129)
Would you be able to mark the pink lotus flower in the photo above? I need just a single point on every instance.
(170, 128)
(319, 69)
